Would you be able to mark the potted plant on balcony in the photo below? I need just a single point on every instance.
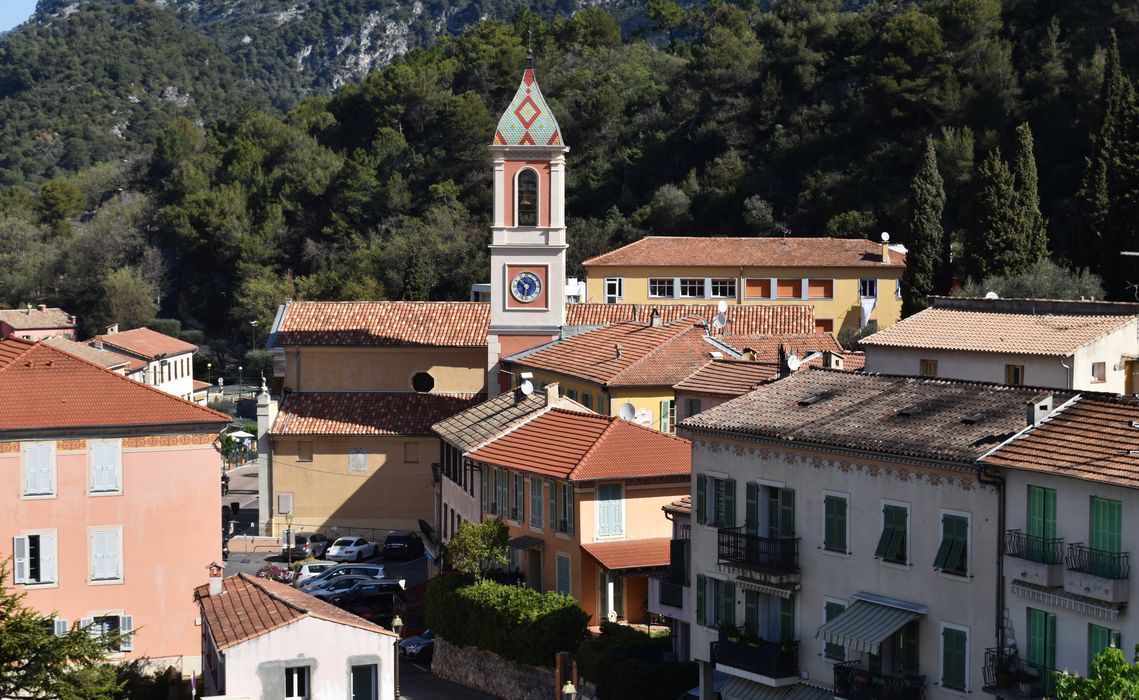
(729, 632)
(752, 640)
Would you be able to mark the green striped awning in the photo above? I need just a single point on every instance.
(741, 689)
(865, 625)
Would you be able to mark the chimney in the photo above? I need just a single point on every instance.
(71, 319)
(43, 307)
(654, 320)
(98, 344)
(112, 329)
(552, 393)
(215, 577)
(784, 370)
(1039, 408)
(885, 248)
(617, 348)
(832, 360)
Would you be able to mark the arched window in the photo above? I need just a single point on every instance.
(527, 198)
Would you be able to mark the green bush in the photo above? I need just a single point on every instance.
(626, 663)
(514, 621)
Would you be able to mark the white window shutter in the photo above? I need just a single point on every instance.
(95, 456)
(20, 556)
(47, 558)
(113, 554)
(59, 627)
(114, 464)
(126, 632)
(47, 467)
(88, 623)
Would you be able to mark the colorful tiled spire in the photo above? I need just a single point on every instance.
(528, 121)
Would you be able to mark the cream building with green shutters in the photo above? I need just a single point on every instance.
(1071, 507)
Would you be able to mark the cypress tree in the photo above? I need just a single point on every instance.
(1025, 177)
(995, 243)
(925, 259)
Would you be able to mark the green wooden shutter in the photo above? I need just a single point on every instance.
(952, 555)
(786, 513)
(1099, 638)
(729, 503)
(569, 508)
(665, 423)
(834, 530)
(1050, 514)
(953, 645)
(1035, 511)
(701, 508)
(701, 616)
(728, 599)
(676, 573)
(887, 532)
(786, 619)
(1035, 636)
(751, 515)
(751, 612)
(1050, 641)
(833, 651)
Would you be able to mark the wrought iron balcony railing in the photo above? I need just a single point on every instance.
(1113, 565)
(1022, 545)
(754, 552)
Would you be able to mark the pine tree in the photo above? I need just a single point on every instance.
(995, 243)
(925, 244)
(1025, 177)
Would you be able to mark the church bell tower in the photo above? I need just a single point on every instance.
(528, 241)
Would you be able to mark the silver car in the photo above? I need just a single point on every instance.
(323, 579)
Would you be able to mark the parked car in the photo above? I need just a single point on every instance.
(370, 592)
(352, 549)
(307, 544)
(322, 579)
(403, 545)
(311, 570)
(337, 586)
(420, 647)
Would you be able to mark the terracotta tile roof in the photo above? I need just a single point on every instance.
(585, 447)
(384, 323)
(108, 360)
(766, 345)
(682, 506)
(36, 319)
(11, 348)
(469, 429)
(742, 319)
(365, 413)
(1009, 326)
(722, 251)
(200, 385)
(249, 607)
(919, 417)
(1091, 438)
(728, 377)
(144, 342)
(630, 554)
(44, 387)
(649, 356)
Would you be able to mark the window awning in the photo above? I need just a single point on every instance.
(865, 625)
(524, 542)
(741, 689)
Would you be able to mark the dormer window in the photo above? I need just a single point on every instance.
(527, 185)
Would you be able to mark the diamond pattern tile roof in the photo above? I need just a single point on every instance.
(528, 121)
(146, 343)
(365, 413)
(1092, 438)
(586, 447)
(249, 607)
(728, 377)
(469, 429)
(928, 418)
(723, 251)
(630, 554)
(44, 387)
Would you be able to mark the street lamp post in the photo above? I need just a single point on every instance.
(240, 376)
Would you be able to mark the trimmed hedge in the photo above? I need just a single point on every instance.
(627, 664)
(514, 621)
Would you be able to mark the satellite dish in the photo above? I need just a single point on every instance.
(793, 362)
(722, 307)
(992, 295)
(885, 237)
(527, 388)
(719, 321)
(628, 411)
(612, 615)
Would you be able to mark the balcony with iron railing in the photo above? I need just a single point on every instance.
(1097, 573)
(777, 662)
(1009, 676)
(672, 594)
(852, 682)
(1037, 560)
(776, 559)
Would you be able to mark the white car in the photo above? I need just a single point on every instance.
(352, 549)
(311, 570)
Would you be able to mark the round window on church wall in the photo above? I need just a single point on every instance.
(422, 382)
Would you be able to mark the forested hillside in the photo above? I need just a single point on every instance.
(799, 117)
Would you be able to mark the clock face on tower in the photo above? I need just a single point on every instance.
(526, 286)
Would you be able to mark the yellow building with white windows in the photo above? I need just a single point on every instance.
(848, 282)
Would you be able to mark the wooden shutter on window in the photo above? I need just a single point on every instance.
(701, 493)
(751, 514)
(729, 503)
(701, 614)
(953, 643)
(126, 629)
(20, 565)
(786, 513)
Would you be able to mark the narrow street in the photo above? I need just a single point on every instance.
(416, 682)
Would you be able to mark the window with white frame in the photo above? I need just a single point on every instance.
(868, 287)
(610, 510)
(105, 465)
(111, 625)
(836, 526)
(297, 682)
(106, 553)
(34, 557)
(692, 287)
(661, 287)
(535, 502)
(953, 553)
(954, 657)
(614, 289)
(831, 609)
(724, 288)
(893, 544)
(715, 601)
(39, 468)
(715, 501)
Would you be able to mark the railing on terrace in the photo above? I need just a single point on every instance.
(1004, 671)
(1022, 545)
(1114, 565)
(852, 682)
(763, 553)
(771, 659)
(671, 594)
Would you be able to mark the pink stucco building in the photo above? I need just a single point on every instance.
(36, 323)
(111, 500)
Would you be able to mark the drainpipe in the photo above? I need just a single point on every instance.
(1067, 374)
(996, 480)
(740, 290)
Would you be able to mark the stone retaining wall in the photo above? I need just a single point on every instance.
(492, 674)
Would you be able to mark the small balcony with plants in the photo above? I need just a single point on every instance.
(854, 682)
(1034, 559)
(1097, 573)
(1009, 676)
(773, 560)
(775, 662)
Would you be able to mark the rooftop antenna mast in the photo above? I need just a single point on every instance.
(530, 43)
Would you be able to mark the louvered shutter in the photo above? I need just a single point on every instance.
(20, 566)
(729, 503)
(59, 627)
(751, 612)
(751, 514)
(88, 624)
(786, 513)
(665, 422)
(126, 630)
(47, 558)
(701, 492)
(569, 508)
(728, 598)
(701, 615)
(953, 645)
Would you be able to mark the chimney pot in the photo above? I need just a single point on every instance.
(654, 320)
(43, 307)
(617, 348)
(551, 393)
(1039, 408)
(215, 578)
(885, 248)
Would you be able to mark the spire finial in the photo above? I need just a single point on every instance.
(530, 45)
